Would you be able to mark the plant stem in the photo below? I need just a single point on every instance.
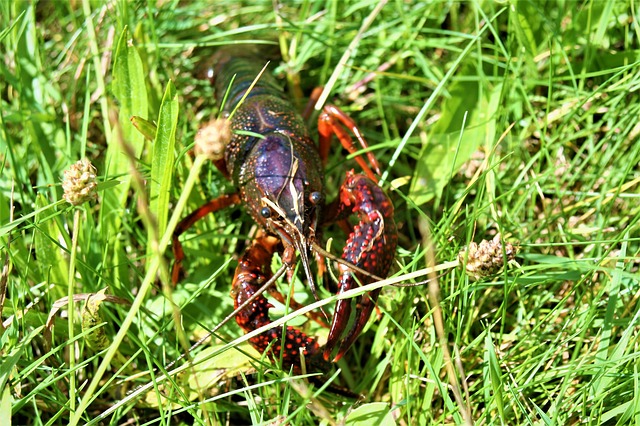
(71, 308)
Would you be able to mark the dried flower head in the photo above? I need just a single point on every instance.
(486, 258)
(79, 183)
(212, 138)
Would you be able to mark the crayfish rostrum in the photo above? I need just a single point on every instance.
(278, 171)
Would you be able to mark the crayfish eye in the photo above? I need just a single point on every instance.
(315, 197)
(265, 212)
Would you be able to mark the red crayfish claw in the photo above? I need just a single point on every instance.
(371, 247)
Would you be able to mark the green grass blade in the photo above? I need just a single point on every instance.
(374, 413)
(494, 377)
(16, 21)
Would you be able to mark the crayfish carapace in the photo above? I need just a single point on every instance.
(278, 171)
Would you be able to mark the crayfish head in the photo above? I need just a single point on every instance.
(286, 190)
(295, 240)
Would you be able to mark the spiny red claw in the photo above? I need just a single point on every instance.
(371, 246)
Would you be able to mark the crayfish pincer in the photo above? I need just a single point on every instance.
(278, 171)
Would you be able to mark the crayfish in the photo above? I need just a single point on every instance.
(278, 171)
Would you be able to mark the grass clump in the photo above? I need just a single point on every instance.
(517, 119)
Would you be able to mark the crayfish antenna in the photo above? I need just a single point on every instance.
(304, 250)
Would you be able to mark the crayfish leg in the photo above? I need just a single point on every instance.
(212, 206)
(313, 98)
(333, 121)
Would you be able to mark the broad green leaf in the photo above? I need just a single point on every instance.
(488, 113)
(606, 14)
(617, 413)
(375, 413)
(52, 262)
(230, 363)
(129, 88)
(456, 136)
(523, 19)
(208, 373)
(163, 156)
(5, 405)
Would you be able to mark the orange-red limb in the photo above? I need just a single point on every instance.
(333, 121)
(212, 206)
(313, 98)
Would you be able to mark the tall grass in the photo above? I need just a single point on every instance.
(517, 118)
